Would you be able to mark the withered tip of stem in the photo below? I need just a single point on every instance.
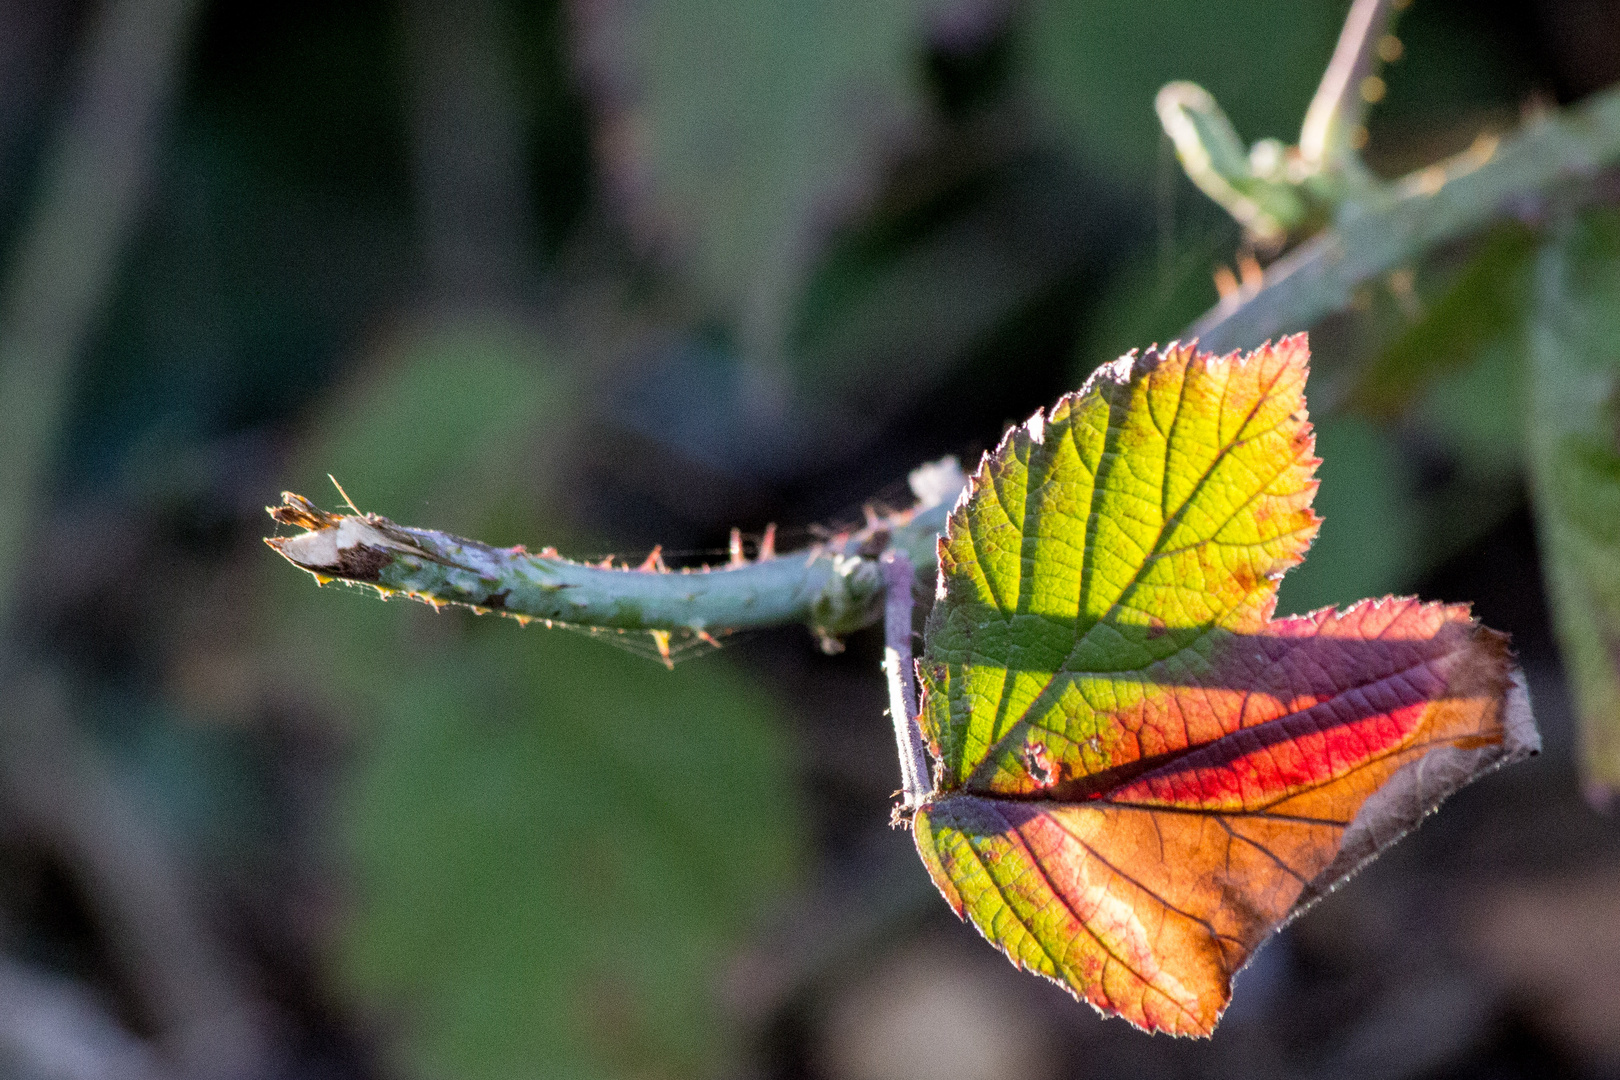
(299, 512)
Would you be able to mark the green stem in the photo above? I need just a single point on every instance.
(834, 587)
(1326, 138)
(1423, 211)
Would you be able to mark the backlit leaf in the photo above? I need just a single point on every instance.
(1141, 773)
(1574, 440)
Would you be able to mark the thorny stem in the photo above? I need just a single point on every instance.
(835, 587)
(1431, 207)
(898, 580)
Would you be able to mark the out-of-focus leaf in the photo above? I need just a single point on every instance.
(738, 131)
(1473, 418)
(555, 842)
(893, 309)
(887, 320)
(1141, 774)
(1152, 298)
(454, 404)
(1485, 302)
(1452, 379)
(552, 843)
(1574, 441)
(1095, 66)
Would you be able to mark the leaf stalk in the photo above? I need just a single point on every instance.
(898, 581)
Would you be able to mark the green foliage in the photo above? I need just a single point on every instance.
(1481, 304)
(1574, 429)
(737, 132)
(554, 844)
(1096, 66)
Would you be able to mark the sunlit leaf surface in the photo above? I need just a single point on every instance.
(1141, 773)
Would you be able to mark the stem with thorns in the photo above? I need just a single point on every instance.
(1431, 207)
(835, 587)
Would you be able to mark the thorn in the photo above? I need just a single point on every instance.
(1430, 180)
(734, 549)
(767, 543)
(345, 494)
(524, 620)
(323, 579)
(1226, 283)
(654, 562)
(1253, 276)
(606, 564)
(661, 639)
(549, 553)
(873, 520)
(707, 638)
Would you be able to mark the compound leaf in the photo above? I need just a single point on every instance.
(1141, 773)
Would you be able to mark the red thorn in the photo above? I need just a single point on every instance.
(607, 563)
(549, 553)
(767, 543)
(654, 562)
(735, 548)
(707, 638)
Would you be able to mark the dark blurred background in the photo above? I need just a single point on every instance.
(606, 274)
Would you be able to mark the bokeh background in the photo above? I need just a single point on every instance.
(606, 274)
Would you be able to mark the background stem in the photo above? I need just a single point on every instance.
(1431, 207)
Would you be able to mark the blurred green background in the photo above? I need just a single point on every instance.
(607, 274)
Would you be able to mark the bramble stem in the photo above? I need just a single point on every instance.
(1422, 211)
(898, 579)
(835, 587)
